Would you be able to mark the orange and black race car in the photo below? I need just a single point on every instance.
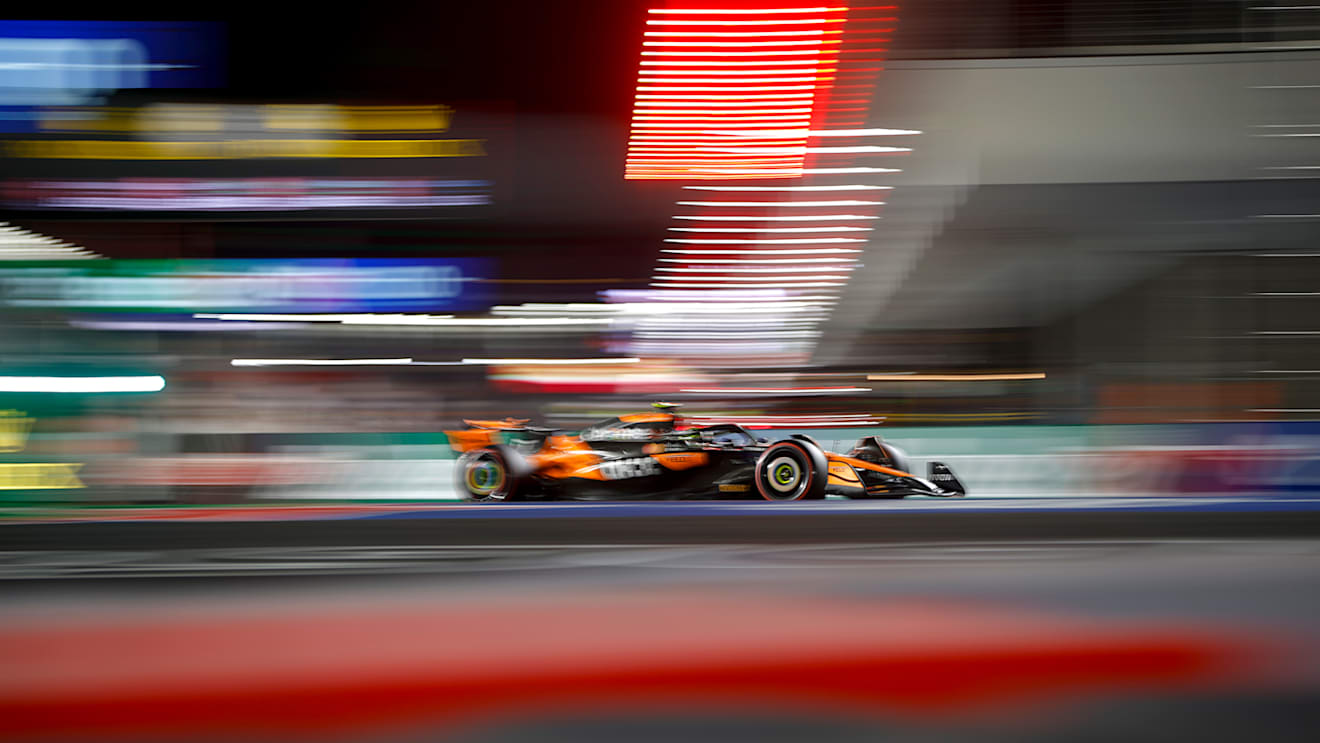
(651, 456)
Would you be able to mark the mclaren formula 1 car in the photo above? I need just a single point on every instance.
(652, 456)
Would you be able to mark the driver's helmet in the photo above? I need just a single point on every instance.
(675, 422)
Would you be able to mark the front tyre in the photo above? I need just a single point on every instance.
(787, 471)
(485, 476)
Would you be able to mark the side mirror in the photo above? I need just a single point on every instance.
(763, 441)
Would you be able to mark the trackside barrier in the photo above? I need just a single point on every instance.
(991, 461)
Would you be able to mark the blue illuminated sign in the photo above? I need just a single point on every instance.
(80, 63)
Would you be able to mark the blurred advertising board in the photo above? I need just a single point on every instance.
(81, 63)
(234, 161)
(255, 285)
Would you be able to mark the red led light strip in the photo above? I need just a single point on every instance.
(707, 74)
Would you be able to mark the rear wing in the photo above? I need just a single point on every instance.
(488, 433)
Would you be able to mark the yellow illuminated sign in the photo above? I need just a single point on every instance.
(14, 429)
(40, 476)
(246, 149)
(274, 117)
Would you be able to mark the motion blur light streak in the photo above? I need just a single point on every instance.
(82, 384)
(553, 362)
(798, 204)
(854, 187)
(739, 269)
(736, 11)
(781, 218)
(660, 282)
(769, 241)
(320, 362)
(840, 171)
(407, 320)
(754, 260)
(784, 391)
(770, 229)
(765, 251)
(904, 377)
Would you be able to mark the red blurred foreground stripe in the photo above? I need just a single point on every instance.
(297, 671)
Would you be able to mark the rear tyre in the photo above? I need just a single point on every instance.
(787, 471)
(487, 476)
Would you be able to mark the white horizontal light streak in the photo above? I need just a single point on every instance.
(787, 218)
(720, 89)
(153, 383)
(836, 132)
(803, 204)
(740, 269)
(554, 362)
(661, 109)
(674, 139)
(398, 319)
(785, 22)
(183, 326)
(703, 53)
(864, 132)
(764, 251)
(464, 322)
(734, 416)
(779, 390)
(741, 44)
(800, 65)
(799, 150)
(320, 362)
(668, 121)
(771, 229)
(790, 277)
(762, 302)
(860, 149)
(670, 106)
(739, 34)
(840, 171)
(769, 241)
(787, 67)
(759, 99)
(733, 336)
(806, 171)
(905, 377)
(757, 260)
(850, 187)
(742, 11)
(650, 81)
(270, 317)
(682, 323)
(726, 284)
